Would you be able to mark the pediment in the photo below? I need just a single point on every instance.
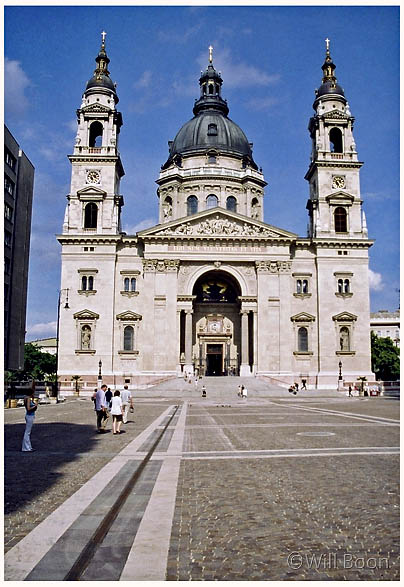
(86, 315)
(96, 108)
(91, 193)
(128, 316)
(217, 223)
(340, 197)
(336, 114)
(302, 317)
(345, 317)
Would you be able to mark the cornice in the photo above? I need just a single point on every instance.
(83, 239)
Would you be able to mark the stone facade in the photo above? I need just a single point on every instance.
(213, 289)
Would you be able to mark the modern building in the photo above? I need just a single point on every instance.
(45, 345)
(386, 324)
(18, 194)
(212, 288)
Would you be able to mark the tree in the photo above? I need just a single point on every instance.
(385, 358)
(76, 379)
(37, 365)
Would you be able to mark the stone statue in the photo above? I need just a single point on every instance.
(85, 337)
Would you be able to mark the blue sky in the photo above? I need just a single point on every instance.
(270, 58)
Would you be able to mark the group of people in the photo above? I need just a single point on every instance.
(116, 404)
(242, 391)
(295, 387)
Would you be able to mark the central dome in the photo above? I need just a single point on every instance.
(210, 128)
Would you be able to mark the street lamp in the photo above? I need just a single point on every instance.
(66, 307)
(340, 382)
(99, 373)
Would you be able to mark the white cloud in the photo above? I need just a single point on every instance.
(262, 103)
(41, 330)
(15, 83)
(236, 75)
(375, 281)
(144, 80)
(72, 125)
(142, 225)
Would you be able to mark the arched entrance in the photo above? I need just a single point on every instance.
(216, 324)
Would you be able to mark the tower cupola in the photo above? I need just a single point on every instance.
(101, 80)
(329, 86)
(211, 87)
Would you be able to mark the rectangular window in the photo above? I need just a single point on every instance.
(7, 238)
(7, 265)
(8, 185)
(9, 159)
(8, 211)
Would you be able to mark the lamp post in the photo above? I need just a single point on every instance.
(340, 381)
(66, 307)
(99, 373)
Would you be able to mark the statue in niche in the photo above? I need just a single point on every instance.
(86, 338)
(344, 339)
(255, 211)
(167, 211)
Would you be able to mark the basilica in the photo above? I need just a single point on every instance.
(212, 289)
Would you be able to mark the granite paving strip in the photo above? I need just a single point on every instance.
(367, 417)
(24, 556)
(147, 559)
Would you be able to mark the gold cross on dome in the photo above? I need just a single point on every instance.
(327, 44)
(103, 35)
(210, 53)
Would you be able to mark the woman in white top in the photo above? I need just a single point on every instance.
(116, 411)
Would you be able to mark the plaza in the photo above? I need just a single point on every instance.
(275, 487)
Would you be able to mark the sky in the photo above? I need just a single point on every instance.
(270, 58)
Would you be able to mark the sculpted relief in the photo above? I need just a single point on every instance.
(219, 227)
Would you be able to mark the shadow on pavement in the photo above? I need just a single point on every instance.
(28, 475)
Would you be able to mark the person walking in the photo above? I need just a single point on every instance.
(239, 390)
(203, 391)
(108, 397)
(101, 408)
(30, 409)
(127, 402)
(244, 392)
(117, 412)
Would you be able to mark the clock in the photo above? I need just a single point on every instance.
(215, 326)
(338, 182)
(93, 176)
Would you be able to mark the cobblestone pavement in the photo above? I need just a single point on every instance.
(309, 517)
(268, 489)
(68, 453)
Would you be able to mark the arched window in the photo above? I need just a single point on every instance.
(128, 337)
(211, 201)
(95, 139)
(133, 284)
(211, 88)
(302, 339)
(90, 215)
(192, 205)
(336, 140)
(231, 204)
(84, 283)
(305, 286)
(212, 129)
(340, 220)
(212, 158)
(299, 286)
(126, 284)
(340, 286)
(346, 285)
(344, 342)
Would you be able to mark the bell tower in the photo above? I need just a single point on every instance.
(334, 205)
(94, 203)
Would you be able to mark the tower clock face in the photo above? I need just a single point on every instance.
(93, 176)
(338, 182)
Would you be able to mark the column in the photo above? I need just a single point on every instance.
(255, 348)
(245, 367)
(178, 343)
(188, 342)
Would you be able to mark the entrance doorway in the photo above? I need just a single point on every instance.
(214, 360)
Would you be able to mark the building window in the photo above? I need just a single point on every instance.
(90, 215)
(340, 220)
(128, 338)
(8, 185)
(87, 283)
(212, 129)
(9, 159)
(7, 238)
(8, 212)
(212, 159)
(129, 284)
(231, 204)
(7, 265)
(212, 201)
(95, 139)
(344, 286)
(192, 205)
(302, 340)
(302, 286)
(336, 140)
